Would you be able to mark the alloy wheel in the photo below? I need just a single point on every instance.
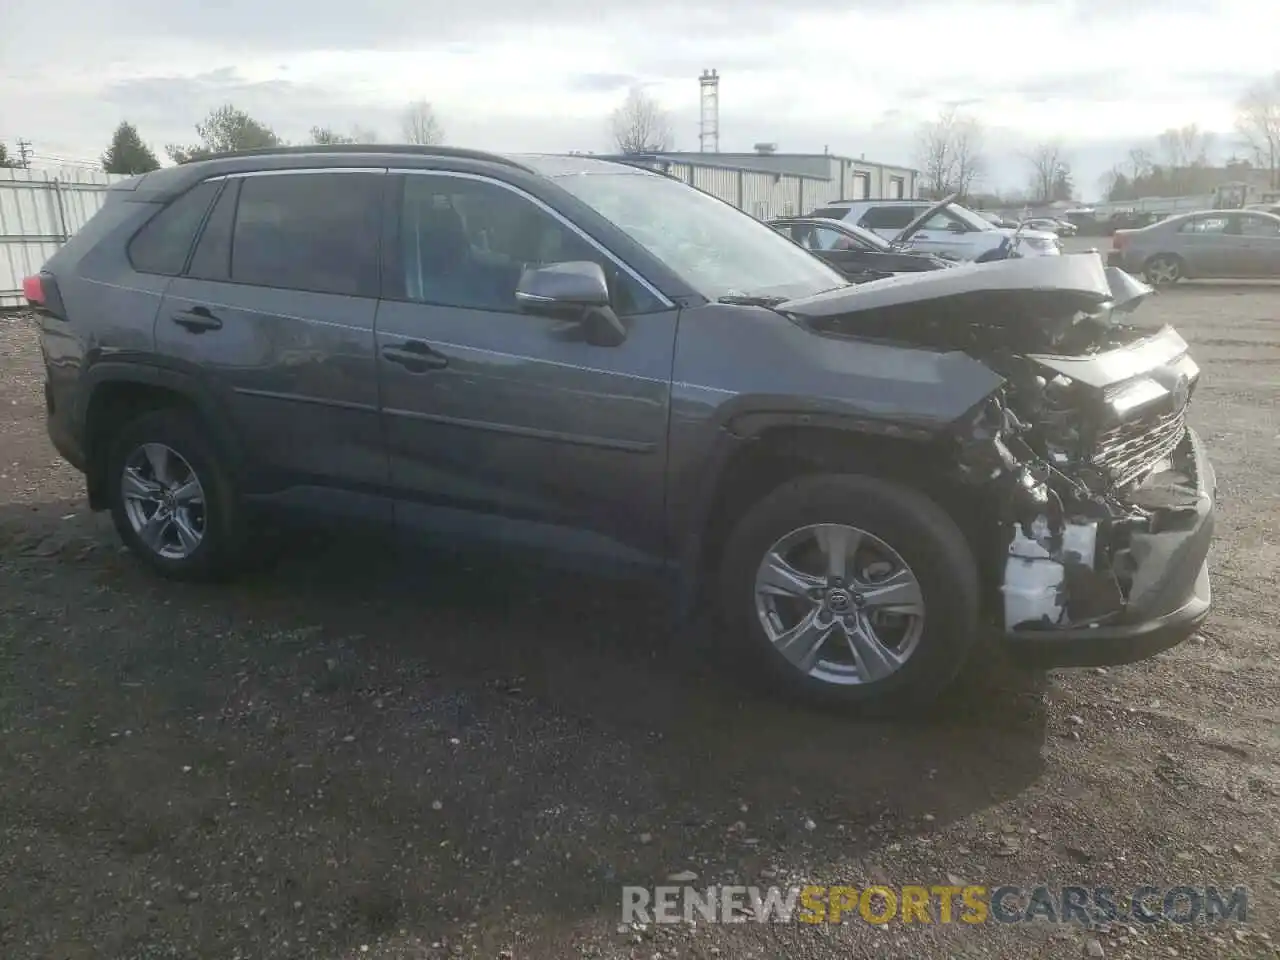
(1163, 270)
(839, 603)
(164, 501)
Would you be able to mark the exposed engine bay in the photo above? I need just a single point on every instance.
(1085, 445)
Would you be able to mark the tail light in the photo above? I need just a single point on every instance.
(1118, 240)
(41, 292)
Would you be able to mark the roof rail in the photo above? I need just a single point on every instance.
(459, 153)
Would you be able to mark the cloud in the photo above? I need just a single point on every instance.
(855, 78)
(603, 82)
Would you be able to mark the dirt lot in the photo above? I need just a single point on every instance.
(366, 753)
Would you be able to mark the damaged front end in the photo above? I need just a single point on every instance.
(1103, 496)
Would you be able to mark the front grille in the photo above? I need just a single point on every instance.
(1129, 450)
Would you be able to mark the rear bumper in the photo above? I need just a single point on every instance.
(1168, 594)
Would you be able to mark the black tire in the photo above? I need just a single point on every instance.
(1172, 261)
(924, 536)
(221, 549)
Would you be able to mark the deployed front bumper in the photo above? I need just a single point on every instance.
(1165, 595)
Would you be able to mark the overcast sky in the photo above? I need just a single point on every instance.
(856, 76)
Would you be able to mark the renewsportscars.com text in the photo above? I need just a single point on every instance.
(940, 903)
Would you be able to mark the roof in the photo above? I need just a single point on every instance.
(561, 165)
(169, 181)
(815, 165)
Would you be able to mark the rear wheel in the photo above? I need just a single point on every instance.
(851, 590)
(173, 505)
(1164, 269)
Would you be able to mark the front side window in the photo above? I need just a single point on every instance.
(1259, 227)
(1206, 225)
(316, 232)
(718, 250)
(465, 243)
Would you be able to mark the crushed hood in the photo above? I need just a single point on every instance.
(1033, 284)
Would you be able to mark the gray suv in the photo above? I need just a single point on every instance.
(600, 362)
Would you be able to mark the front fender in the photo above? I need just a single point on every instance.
(741, 373)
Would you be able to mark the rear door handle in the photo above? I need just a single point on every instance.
(197, 320)
(415, 356)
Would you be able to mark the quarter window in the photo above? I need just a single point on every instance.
(309, 231)
(162, 245)
(465, 243)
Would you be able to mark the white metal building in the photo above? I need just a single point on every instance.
(39, 210)
(784, 184)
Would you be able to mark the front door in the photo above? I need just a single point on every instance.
(1211, 245)
(276, 311)
(504, 425)
(1260, 237)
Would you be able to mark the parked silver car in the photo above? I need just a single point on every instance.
(1211, 244)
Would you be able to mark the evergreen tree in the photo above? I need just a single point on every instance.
(127, 153)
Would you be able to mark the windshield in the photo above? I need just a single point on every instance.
(873, 240)
(972, 219)
(718, 250)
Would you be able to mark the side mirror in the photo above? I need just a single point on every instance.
(574, 290)
(955, 226)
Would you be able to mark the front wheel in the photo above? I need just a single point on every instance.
(853, 590)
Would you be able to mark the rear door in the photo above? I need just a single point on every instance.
(275, 311)
(506, 426)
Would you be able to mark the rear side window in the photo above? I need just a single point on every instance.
(162, 245)
(212, 259)
(309, 231)
(831, 213)
(889, 218)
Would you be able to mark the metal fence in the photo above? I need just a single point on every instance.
(39, 210)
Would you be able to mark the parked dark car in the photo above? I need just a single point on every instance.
(857, 253)
(598, 362)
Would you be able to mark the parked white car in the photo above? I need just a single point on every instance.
(945, 229)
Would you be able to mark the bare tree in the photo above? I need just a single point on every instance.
(1049, 169)
(327, 135)
(1138, 163)
(937, 163)
(420, 125)
(1258, 122)
(1184, 148)
(950, 152)
(640, 125)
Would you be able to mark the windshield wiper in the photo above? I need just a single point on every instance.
(743, 300)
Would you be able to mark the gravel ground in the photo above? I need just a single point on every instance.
(369, 753)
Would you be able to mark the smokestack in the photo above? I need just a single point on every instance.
(709, 125)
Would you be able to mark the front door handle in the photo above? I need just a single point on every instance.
(197, 320)
(415, 356)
